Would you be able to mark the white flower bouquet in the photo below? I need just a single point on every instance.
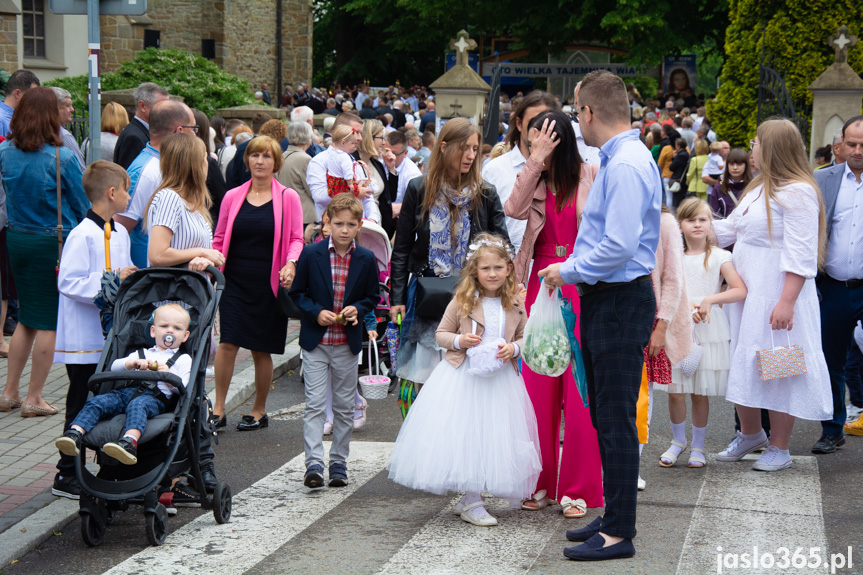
(546, 343)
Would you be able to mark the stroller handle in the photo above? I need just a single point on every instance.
(218, 277)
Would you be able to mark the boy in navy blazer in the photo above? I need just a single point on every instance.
(336, 284)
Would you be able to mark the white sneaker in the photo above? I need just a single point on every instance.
(642, 484)
(772, 460)
(740, 447)
(328, 427)
(853, 413)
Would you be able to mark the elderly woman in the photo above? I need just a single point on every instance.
(28, 164)
(64, 106)
(260, 233)
(382, 169)
(441, 213)
(296, 162)
(114, 119)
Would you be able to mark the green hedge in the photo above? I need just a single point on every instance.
(796, 35)
(201, 83)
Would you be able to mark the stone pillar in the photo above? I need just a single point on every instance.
(836, 94)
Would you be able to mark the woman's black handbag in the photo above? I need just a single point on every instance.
(433, 295)
(286, 304)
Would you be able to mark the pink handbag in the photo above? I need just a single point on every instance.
(780, 361)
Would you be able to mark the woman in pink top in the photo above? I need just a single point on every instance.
(550, 193)
(260, 233)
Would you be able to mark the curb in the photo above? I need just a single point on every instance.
(33, 530)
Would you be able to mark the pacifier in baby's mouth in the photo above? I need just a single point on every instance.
(168, 339)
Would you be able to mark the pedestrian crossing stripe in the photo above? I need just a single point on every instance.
(737, 509)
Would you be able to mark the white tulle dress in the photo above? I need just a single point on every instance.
(711, 377)
(470, 433)
(762, 262)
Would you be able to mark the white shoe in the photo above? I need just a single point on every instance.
(328, 427)
(642, 484)
(772, 460)
(853, 413)
(361, 420)
(468, 515)
(211, 372)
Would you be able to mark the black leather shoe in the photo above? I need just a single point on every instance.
(828, 443)
(585, 532)
(249, 423)
(208, 474)
(220, 420)
(593, 550)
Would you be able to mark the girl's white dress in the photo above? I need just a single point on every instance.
(714, 337)
(470, 433)
(762, 264)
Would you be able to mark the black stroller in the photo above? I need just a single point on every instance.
(169, 446)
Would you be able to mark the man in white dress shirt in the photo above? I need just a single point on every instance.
(841, 284)
(397, 143)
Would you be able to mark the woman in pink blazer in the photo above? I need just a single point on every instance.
(550, 193)
(260, 233)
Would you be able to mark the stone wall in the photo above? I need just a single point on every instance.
(244, 32)
(9, 42)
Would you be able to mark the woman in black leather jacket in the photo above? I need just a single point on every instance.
(441, 213)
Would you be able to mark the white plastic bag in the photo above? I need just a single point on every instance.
(546, 344)
(482, 359)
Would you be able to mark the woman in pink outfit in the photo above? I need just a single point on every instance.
(550, 193)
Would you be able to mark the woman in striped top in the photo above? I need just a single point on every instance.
(178, 217)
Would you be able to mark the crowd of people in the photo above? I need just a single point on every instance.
(690, 266)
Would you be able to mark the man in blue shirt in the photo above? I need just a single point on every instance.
(18, 83)
(611, 264)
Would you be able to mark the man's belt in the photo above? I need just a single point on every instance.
(852, 283)
(585, 289)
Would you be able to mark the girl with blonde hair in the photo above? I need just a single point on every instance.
(178, 215)
(778, 233)
(473, 428)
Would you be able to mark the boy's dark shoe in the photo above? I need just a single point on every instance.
(314, 477)
(338, 475)
(208, 474)
(66, 486)
(122, 450)
(70, 443)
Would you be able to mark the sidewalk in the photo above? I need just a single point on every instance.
(28, 511)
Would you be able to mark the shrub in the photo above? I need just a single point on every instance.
(201, 83)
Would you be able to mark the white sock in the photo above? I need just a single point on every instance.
(678, 431)
(640, 449)
(471, 497)
(698, 434)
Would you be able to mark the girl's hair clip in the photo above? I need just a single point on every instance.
(474, 247)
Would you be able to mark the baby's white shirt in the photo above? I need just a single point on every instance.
(715, 165)
(340, 164)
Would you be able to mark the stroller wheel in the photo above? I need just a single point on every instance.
(92, 530)
(157, 525)
(222, 503)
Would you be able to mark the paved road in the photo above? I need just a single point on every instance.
(375, 526)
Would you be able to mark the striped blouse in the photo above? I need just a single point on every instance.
(190, 228)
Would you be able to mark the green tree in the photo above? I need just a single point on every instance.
(200, 82)
(406, 39)
(795, 32)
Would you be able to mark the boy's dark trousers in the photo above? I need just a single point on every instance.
(76, 397)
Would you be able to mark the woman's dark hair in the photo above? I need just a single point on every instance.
(564, 167)
(676, 71)
(736, 156)
(826, 152)
(36, 121)
(218, 124)
(533, 99)
(203, 128)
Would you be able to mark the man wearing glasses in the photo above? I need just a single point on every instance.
(397, 143)
(611, 263)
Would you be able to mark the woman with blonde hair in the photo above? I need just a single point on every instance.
(694, 182)
(178, 217)
(384, 177)
(114, 119)
(441, 214)
(779, 237)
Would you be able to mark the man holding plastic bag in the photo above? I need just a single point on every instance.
(611, 264)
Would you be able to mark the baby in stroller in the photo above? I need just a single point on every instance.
(170, 330)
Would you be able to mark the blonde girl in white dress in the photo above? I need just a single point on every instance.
(704, 266)
(779, 239)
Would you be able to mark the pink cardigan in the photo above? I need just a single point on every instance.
(284, 248)
(669, 287)
(527, 202)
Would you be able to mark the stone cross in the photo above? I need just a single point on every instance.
(462, 44)
(841, 42)
(455, 108)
